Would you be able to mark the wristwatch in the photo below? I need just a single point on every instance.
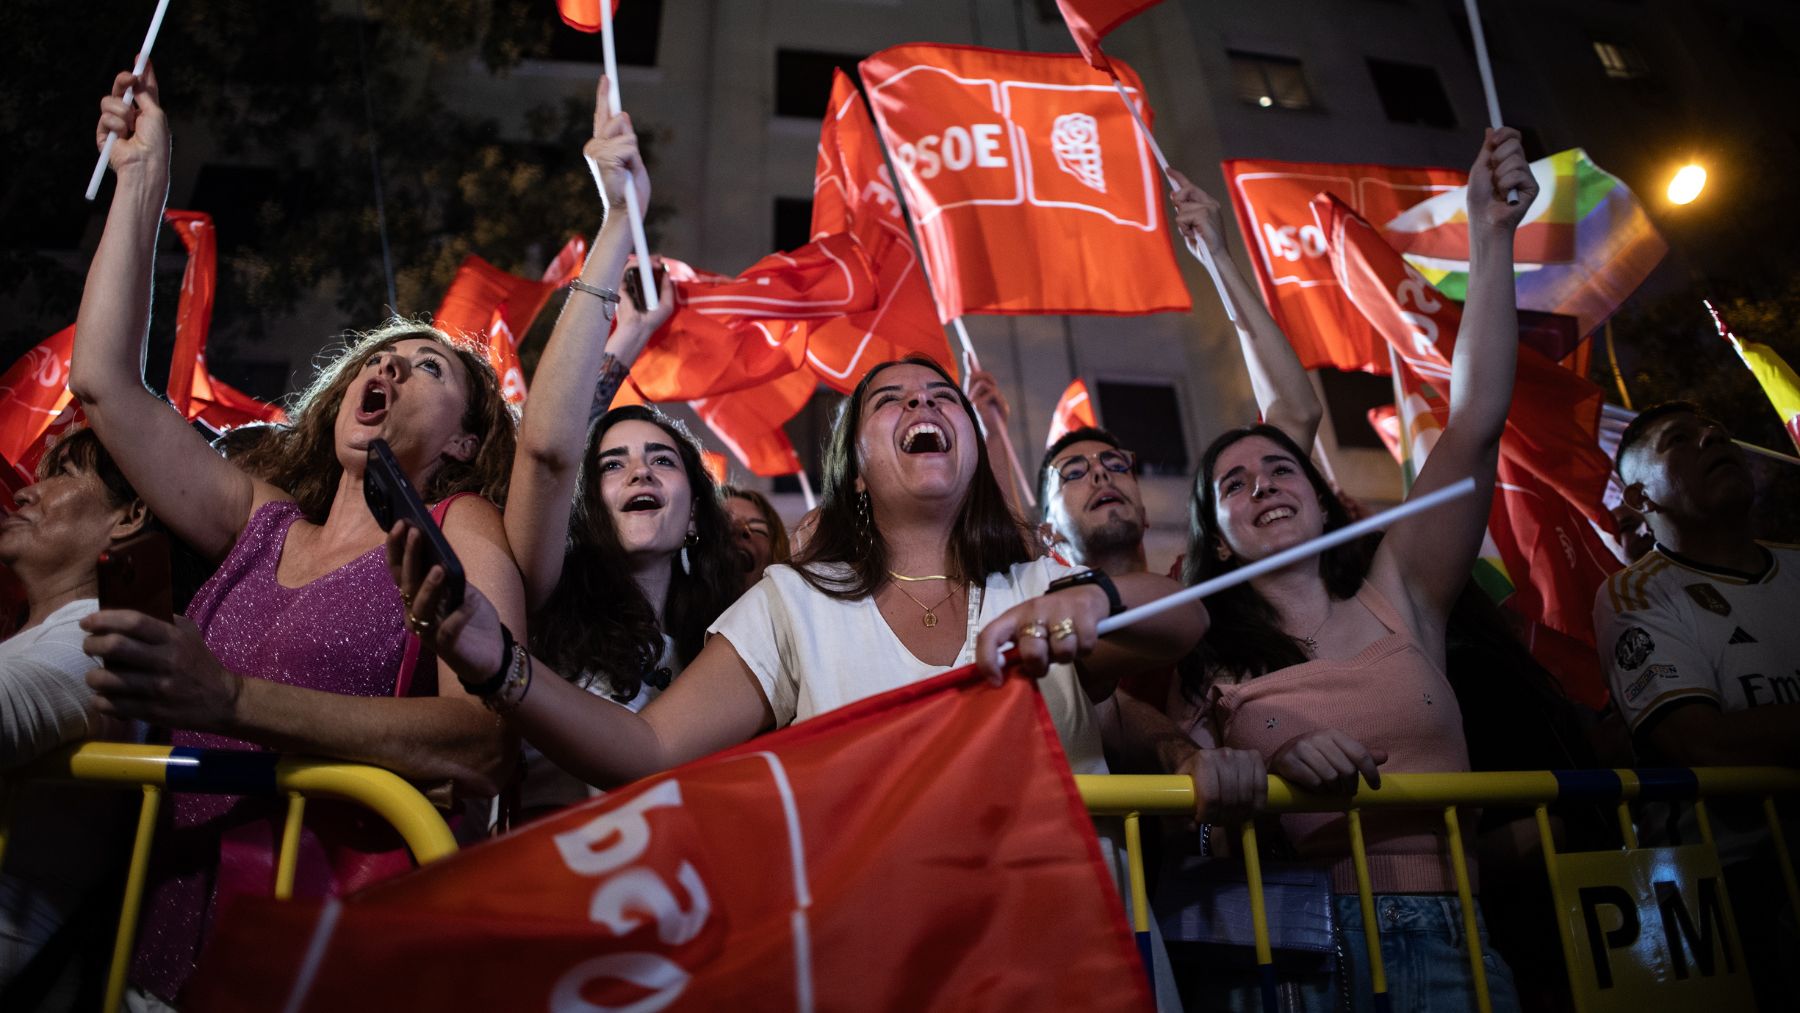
(1097, 578)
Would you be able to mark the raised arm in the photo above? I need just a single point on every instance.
(1284, 395)
(202, 498)
(984, 391)
(581, 368)
(1425, 560)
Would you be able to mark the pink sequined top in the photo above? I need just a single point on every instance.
(342, 633)
(1390, 696)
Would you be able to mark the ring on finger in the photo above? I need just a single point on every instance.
(1063, 628)
(419, 627)
(1035, 630)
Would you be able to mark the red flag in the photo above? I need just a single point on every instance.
(731, 333)
(1074, 411)
(854, 193)
(1089, 20)
(1273, 201)
(1031, 187)
(33, 395)
(494, 308)
(865, 859)
(749, 422)
(582, 15)
(193, 390)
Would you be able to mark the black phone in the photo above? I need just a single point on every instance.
(391, 497)
(134, 574)
(634, 283)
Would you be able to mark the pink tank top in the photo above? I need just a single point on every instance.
(1390, 696)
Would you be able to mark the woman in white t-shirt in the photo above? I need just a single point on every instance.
(916, 566)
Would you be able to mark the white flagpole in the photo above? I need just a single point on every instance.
(639, 243)
(1486, 68)
(806, 490)
(137, 70)
(974, 362)
(1197, 249)
(1289, 557)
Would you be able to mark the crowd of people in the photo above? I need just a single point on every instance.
(623, 614)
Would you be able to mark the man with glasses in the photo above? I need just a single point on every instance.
(1093, 511)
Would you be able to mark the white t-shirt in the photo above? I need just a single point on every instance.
(1671, 632)
(813, 653)
(43, 685)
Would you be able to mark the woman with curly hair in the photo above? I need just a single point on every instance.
(299, 642)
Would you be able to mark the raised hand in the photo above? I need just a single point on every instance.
(612, 154)
(467, 639)
(143, 131)
(1197, 216)
(1499, 169)
(635, 325)
(984, 393)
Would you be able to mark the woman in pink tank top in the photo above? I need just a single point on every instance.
(299, 643)
(1333, 669)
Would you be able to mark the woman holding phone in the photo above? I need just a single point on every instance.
(299, 642)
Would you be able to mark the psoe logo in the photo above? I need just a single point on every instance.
(1075, 138)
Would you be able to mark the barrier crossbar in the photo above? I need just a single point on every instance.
(154, 770)
(1131, 795)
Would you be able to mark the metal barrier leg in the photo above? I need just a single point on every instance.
(1782, 856)
(1140, 897)
(138, 872)
(1547, 840)
(1736, 951)
(1259, 919)
(289, 856)
(1365, 895)
(1459, 864)
(1627, 828)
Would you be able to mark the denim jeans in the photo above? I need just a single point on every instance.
(1422, 951)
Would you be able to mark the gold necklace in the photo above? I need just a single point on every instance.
(1311, 644)
(930, 610)
(929, 576)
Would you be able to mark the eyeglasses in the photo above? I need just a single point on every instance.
(1074, 469)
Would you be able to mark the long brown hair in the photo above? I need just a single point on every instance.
(301, 458)
(597, 620)
(1244, 638)
(986, 537)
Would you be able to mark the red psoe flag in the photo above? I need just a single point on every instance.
(582, 15)
(193, 390)
(749, 422)
(853, 193)
(729, 333)
(494, 309)
(1074, 410)
(34, 392)
(1090, 20)
(1273, 202)
(833, 865)
(1031, 188)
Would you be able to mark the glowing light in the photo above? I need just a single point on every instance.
(1687, 184)
(1265, 101)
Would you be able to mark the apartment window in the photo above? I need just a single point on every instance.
(793, 222)
(1147, 418)
(637, 28)
(1411, 93)
(1621, 62)
(1269, 81)
(1348, 398)
(803, 80)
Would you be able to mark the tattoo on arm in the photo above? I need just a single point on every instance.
(612, 375)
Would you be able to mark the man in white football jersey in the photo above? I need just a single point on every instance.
(1701, 641)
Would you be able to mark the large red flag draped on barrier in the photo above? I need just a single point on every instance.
(1031, 187)
(749, 421)
(1552, 475)
(1090, 20)
(193, 390)
(924, 849)
(731, 333)
(853, 193)
(494, 309)
(1273, 202)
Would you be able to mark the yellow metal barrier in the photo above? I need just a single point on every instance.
(1132, 795)
(154, 770)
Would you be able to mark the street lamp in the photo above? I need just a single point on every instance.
(1687, 183)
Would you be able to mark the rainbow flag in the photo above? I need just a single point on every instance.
(1771, 370)
(1584, 247)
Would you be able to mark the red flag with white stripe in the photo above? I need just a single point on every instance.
(1091, 20)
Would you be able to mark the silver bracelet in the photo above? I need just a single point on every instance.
(605, 294)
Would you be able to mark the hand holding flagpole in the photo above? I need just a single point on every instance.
(639, 244)
(137, 70)
(1486, 67)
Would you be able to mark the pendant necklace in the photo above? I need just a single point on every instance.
(931, 618)
(1311, 644)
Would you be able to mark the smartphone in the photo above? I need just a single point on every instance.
(634, 283)
(134, 574)
(391, 497)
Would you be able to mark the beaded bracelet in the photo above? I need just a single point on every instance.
(518, 683)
